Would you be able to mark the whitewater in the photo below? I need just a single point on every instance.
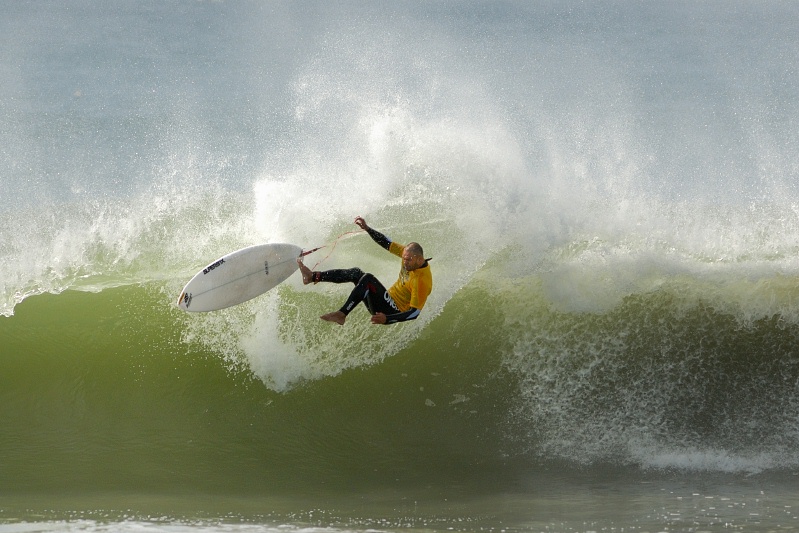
(609, 193)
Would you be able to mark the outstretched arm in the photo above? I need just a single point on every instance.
(376, 236)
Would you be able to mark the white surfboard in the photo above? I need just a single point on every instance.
(239, 276)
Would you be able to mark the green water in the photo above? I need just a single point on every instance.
(110, 417)
(101, 395)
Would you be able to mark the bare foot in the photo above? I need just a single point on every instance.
(307, 275)
(336, 316)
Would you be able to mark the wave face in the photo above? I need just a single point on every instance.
(609, 195)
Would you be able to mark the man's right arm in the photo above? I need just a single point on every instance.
(376, 236)
(379, 238)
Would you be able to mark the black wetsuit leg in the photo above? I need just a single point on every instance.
(368, 290)
(373, 294)
(348, 275)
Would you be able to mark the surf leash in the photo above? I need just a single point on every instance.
(331, 245)
(309, 252)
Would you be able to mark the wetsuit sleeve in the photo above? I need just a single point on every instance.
(410, 314)
(379, 238)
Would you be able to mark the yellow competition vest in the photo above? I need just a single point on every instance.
(411, 288)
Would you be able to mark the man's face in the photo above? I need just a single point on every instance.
(410, 261)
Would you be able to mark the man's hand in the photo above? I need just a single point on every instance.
(361, 223)
(378, 318)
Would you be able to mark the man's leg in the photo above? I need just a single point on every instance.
(371, 292)
(368, 290)
(349, 275)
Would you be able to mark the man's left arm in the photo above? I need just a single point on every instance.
(410, 314)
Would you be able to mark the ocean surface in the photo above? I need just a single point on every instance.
(610, 194)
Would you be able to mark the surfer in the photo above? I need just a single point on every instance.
(403, 301)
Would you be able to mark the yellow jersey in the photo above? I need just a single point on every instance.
(411, 288)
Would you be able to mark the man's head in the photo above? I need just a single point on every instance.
(412, 256)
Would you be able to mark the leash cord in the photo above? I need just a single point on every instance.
(332, 247)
